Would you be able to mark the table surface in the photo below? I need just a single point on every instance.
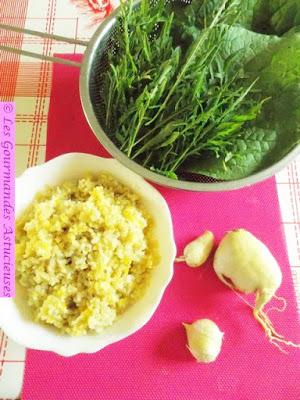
(28, 83)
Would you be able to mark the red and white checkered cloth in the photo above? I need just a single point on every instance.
(28, 83)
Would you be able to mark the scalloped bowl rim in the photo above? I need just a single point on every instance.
(14, 318)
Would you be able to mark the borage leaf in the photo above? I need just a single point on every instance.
(248, 155)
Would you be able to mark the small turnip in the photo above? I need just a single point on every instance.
(197, 252)
(204, 340)
(245, 264)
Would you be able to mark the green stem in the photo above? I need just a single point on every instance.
(190, 58)
(128, 10)
(149, 133)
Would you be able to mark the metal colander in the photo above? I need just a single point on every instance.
(91, 86)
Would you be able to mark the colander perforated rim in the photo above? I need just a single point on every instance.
(87, 86)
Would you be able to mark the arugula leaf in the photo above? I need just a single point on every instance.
(247, 156)
(272, 17)
(199, 14)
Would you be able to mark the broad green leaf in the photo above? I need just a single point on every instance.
(244, 45)
(276, 16)
(279, 72)
(248, 155)
(277, 64)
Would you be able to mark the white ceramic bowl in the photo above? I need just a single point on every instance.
(14, 314)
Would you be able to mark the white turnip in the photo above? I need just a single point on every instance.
(204, 340)
(197, 252)
(245, 264)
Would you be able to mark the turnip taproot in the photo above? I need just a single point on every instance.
(245, 264)
(204, 340)
(197, 252)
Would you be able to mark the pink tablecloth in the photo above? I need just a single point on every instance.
(154, 364)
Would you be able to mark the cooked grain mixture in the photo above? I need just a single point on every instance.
(84, 252)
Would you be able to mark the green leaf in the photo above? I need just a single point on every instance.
(172, 139)
(276, 16)
(168, 174)
(272, 17)
(246, 10)
(279, 78)
(242, 45)
(199, 14)
(206, 100)
(247, 156)
(166, 136)
(277, 64)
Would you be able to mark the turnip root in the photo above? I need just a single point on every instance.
(197, 252)
(245, 264)
(204, 340)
